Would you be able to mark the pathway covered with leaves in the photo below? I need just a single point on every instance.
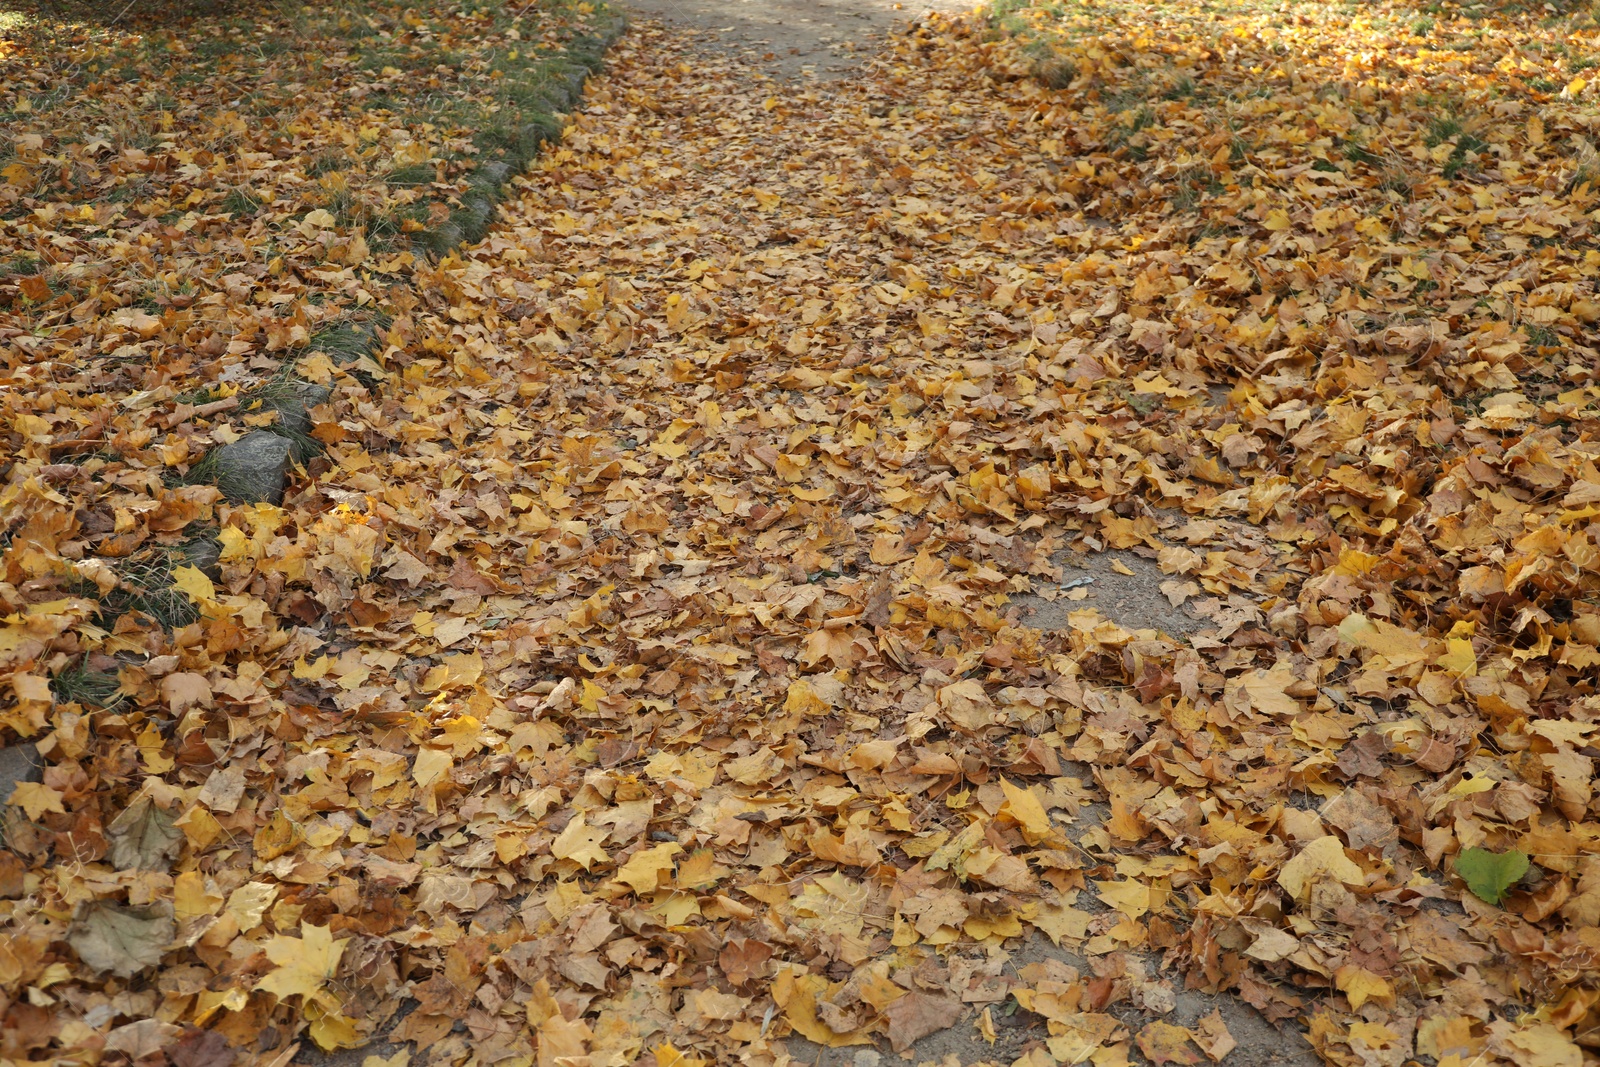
(646, 669)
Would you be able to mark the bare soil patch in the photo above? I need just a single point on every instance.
(790, 38)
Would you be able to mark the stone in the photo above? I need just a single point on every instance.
(493, 173)
(535, 135)
(574, 84)
(206, 555)
(18, 763)
(254, 468)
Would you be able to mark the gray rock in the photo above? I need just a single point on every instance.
(18, 763)
(442, 239)
(494, 173)
(574, 84)
(254, 468)
(535, 135)
(206, 555)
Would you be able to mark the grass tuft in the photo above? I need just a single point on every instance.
(351, 339)
(90, 688)
(146, 587)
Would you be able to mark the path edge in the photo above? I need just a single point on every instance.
(487, 184)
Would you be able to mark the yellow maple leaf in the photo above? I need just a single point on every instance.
(580, 843)
(1361, 985)
(193, 896)
(986, 1028)
(1395, 644)
(432, 765)
(193, 581)
(560, 1039)
(1023, 806)
(643, 870)
(835, 645)
(250, 902)
(1543, 1045)
(1130, 897)
(667, 1056)
(1322, 858)
(1061, 923)
(305, 963)
(1163, 1042)
(802, 698)
(152, 749)
(1460, 659)
(798, 995)
(676, 908)
(1266, 690)
(36, 799)
(333, 1030)
(465, 734)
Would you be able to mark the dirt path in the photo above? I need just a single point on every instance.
(697, 304)
(790, 38)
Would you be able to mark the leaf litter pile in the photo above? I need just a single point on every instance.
(641, 670)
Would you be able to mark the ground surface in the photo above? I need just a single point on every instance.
(790, 38)
(800, 41)
(680, 649)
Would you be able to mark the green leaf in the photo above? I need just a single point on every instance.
(1490, 875)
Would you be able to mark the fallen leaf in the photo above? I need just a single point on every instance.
(193, 582)
(204, 1048)
(250, 902)
(1211, 1034)
(141, 1038)
(119, 939)
(1490, 875)
(143, 837)
(304, 964)
(35, 799)
(743, 960)
(1164, 1043)
(916, 1015)
(580, 843)
(1323, 858)
(1361, 985)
